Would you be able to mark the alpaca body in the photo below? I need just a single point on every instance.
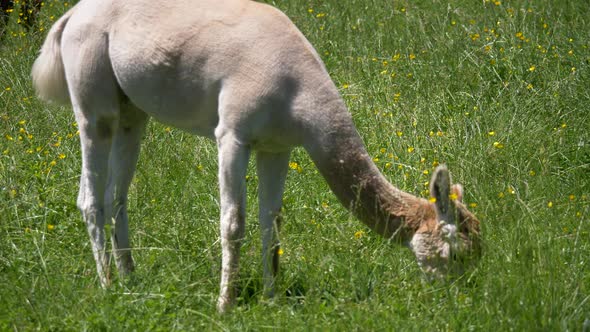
(225, 57)
(241, 73)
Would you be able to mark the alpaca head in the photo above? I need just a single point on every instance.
(447, 241)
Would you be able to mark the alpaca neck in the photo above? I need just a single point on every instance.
(339, 154)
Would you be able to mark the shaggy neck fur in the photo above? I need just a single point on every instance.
(342, 159)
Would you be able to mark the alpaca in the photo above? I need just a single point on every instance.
(241, 73)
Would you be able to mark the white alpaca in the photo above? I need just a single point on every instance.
(241, 73)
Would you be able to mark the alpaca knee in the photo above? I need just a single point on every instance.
(114, 207)
(232, 225)
(88, 208)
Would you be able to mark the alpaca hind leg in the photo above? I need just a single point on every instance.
(272, 172)
(122, 163)
(95, 101)
(95, 138)
(233, 163)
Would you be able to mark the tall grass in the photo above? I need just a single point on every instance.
(498, 90)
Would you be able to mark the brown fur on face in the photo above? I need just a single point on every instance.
(439, 256)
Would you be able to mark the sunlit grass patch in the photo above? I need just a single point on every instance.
(497, 90)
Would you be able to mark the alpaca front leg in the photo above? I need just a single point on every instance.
(233, 162)
(272, 172)
(122, 163)
(95, 138)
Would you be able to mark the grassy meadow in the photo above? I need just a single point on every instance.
(497, 90)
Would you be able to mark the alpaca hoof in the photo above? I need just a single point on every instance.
(224, 305)
(126, 267)
(105, 281)
(268, 293)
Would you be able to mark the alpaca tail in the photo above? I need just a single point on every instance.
(49, 79)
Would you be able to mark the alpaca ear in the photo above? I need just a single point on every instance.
(457, 192)
(440, 191)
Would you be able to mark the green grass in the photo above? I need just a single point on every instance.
(497, 91)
